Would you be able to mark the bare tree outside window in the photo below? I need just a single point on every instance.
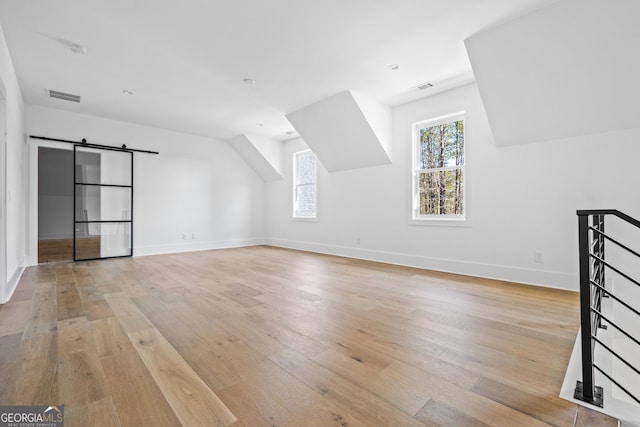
(439, 173)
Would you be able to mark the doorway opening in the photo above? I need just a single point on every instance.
(55, 205)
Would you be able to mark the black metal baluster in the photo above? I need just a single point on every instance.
(585, 389)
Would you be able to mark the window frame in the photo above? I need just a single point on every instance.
(415, 218)
(294, 215)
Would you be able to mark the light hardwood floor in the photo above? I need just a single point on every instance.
(62, 249)
(262, 336)
(55, 250)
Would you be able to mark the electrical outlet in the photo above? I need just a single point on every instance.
(193, 236)
(184, 236)
(538, 256)
(357, 240)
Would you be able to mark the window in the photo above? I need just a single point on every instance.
(438, 169)
(305, 189)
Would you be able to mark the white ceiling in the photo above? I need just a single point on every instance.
(186, 60)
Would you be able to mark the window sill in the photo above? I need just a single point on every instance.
(303, 219)
(441, 222)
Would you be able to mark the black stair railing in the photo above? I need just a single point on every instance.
(593, 265)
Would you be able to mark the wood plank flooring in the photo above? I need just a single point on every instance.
(54, 250)
(262, 336)
(62, 249)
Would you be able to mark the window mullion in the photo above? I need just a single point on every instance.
(446, 168)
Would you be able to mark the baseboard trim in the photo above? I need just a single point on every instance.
(12, 283)
(542, 278)
(196, 246)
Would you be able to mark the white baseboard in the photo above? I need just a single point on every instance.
(196, 246)
(548, 279)
(12, 283)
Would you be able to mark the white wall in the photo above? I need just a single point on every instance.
(520, 199)
(11, 195)
(197, 187)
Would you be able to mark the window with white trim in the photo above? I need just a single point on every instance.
(305, 187)
(438, 179)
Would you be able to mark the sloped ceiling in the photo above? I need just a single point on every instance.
(346, 131)
(264, 155)
(186, 61)
(566, 70)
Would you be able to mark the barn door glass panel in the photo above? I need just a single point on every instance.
(103, 203)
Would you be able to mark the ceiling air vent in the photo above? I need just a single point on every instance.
(424, 86)
(64, 96)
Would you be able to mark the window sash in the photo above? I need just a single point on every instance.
(418, 171)
(423, 154)
(417, 195)
(302, 181)
(299, 210)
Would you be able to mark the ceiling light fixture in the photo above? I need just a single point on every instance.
(394, 67)
(79, 49)
(249, 81)
(424, 86)
(127, 92)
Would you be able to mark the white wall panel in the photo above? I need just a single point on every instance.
(14, 203)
